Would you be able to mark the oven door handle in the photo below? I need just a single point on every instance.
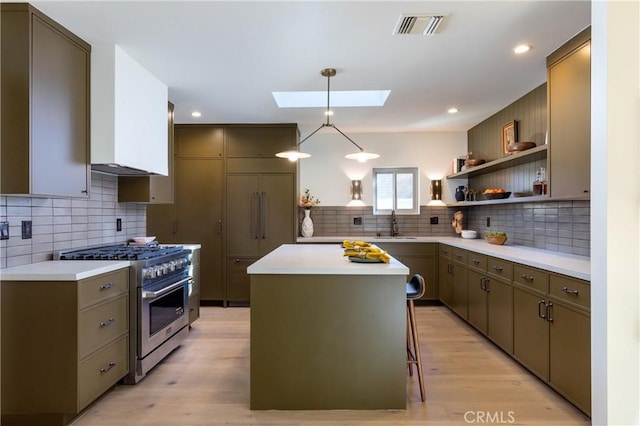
(154, 294)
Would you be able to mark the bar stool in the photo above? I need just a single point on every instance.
(415, 289)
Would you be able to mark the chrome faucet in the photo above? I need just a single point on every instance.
(394, 224)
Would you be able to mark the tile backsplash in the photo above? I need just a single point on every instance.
(561, 226)
(62, 223)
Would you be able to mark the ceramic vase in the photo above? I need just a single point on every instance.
(307, 224)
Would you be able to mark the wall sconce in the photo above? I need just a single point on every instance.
(436, 190)
(356, 190)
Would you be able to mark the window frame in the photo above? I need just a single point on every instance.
(415, 171)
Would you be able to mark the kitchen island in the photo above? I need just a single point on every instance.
(327, 333)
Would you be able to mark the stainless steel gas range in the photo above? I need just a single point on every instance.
(159, 282)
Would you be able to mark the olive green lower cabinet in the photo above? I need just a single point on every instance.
(420, 258)
(64, 343)
(539, 317)
(552, 331)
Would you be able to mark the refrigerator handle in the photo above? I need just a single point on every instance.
(256, 207)
(263, 214)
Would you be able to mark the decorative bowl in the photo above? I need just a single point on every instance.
(470, 162)
(497, 240)
(467, 233)
(520, 146)
(496, 195)
(143, 240)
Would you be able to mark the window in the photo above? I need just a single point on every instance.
(396, 189)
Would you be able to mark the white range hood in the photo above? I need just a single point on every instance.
(129, 133)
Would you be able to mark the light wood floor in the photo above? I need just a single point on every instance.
(206, 382)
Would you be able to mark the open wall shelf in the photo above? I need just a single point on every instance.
(533, 154)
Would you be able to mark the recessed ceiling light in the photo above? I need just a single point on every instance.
(344, 98)
(196, 114)
(452, 110)
(523, 48)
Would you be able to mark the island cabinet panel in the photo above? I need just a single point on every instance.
(45, 81)
(321, 342)
(66, 344)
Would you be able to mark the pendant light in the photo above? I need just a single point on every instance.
(361, 155)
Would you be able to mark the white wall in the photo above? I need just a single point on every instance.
(615, 207)
(327, 174)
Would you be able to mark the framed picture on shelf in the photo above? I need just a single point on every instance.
(509, 135)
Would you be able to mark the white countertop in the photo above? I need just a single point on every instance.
(61, 270)
(566, 264)
(320, 259)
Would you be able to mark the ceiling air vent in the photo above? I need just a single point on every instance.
(418, 24)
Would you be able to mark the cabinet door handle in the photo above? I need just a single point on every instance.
(566, 290)
(482, 284)
(526, 277)
(486, 284)
(263, 215)
(106, 286)
(256, 220)
(549, 312)
(107, 322)
(220, 227)
(174, 229)
(542, 315)
(109, 367)
(497, 268)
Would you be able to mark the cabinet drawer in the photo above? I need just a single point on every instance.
(478, 261)
(445, 252)
(500, 268)
(100, 371)
(459, 255)
(102, 323)
(571, 290)
(531, 277)
(95, 289)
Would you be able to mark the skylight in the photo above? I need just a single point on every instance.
(346, 98)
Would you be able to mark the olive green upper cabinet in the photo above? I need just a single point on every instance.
(45, 106)
(156, 189)
(260, 141)
(569, 101)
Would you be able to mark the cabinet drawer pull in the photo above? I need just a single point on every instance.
(566, 290)
(476, 261)
(458, 255)
(109, 367)
(444, 251)
(107, 322)
(497, 268)
(544, 314)
(526, 277)
(107, 286)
